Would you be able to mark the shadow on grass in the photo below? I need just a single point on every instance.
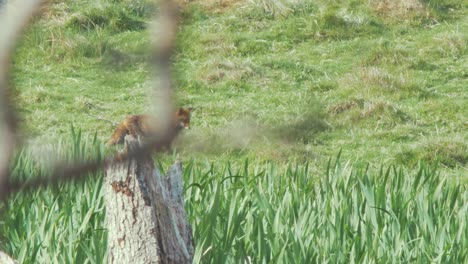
(448, 153)
(248, 136)
(302, 130)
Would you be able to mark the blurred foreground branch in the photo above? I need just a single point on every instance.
(12, 21)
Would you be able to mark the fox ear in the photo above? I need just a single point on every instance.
(179, 110)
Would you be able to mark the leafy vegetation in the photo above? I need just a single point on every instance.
(267, 214)
(280, 87)
(63, 224)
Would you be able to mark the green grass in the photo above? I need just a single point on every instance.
(281, 84)
(62, 224)
(266, 214)
(383, 85)
(300, 68)
(257, 213)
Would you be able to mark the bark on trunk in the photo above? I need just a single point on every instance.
(146, 218)
(5, 259)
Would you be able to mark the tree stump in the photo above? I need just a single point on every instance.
(5, 259)
(146, 218)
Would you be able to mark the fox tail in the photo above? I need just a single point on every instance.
(118, 136)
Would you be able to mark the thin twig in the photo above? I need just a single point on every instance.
(104, 119)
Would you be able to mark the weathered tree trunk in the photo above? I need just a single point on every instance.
(5, 259)
(145, 213)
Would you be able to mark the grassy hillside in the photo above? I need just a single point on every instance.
(280, 88)
(327, 77)
(279, 82)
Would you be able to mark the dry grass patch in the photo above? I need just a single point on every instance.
(448, 152)
(54, 13)
(219, 70)
(399, 8)
(382, 109)
(339, 108)
(378, 77)
(213, 6)
(379, 111)
(371, 81)
(451, 44)
(216, 44)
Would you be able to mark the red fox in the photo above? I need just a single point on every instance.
(144, 125)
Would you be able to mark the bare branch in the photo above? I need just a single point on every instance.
(104, 119)
(80, 170)
(13, 19)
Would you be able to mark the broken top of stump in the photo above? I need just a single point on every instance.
(145, 212)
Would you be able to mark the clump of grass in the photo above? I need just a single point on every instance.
(87, 21)
(450, 153)
(373, 82)
(219, 70)
(336, 22)
(444, 9)
(385, 53)
(341, 107)
(374, 77)
(276, 7)
(110, 17)
(381, 108)
(399, 8)
(37, 95)
(212, 6)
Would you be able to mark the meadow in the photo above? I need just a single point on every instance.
(324, 131)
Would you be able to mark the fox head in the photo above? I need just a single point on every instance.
(183, 117)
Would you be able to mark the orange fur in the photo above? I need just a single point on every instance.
(145, 125)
